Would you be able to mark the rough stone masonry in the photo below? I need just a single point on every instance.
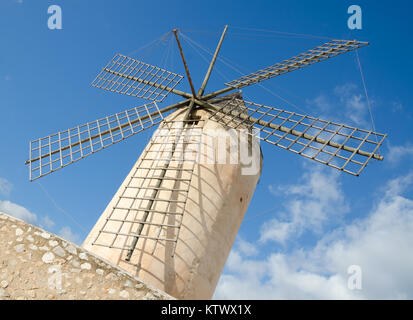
(35, 264)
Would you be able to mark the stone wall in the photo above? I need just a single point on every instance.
(35, 264)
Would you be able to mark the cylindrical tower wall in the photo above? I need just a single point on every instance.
(222, 183)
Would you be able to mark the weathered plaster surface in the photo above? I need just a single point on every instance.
(35, 264)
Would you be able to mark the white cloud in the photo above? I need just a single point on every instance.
(47, 222)
(397, 153)
(14, 209)
(397, 107)
(277, 231)
(17, 211)
(5, 187)
(381, 244)
(277, 278)
(346, 103)
(67, 234)
(24, 214)
(316, 200)
(322, 103)
(354, 103)
(246, 248)
(397, 186)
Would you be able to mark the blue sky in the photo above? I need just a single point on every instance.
(306, 224)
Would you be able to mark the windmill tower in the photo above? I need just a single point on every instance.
(175, 217)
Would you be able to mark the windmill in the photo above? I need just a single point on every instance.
(174, 220)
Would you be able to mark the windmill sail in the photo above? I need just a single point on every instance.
(326, 51)
(137, 79)
(337, 145)
(58, 150)
(152, 202)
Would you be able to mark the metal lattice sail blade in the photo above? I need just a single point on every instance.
(326, 51)
(337, 145)
(137, 79)
(152, 202)
(58, 150)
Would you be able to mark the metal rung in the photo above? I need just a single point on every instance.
(163, 178)
(177, 142)
(110, 246)
(170, 159)
(154, 199)
(150, 210)
(184, 131)
(167, 168)
(144, 222)
(159, 188)
(175, 152)
(172, 139)
(139, 236)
